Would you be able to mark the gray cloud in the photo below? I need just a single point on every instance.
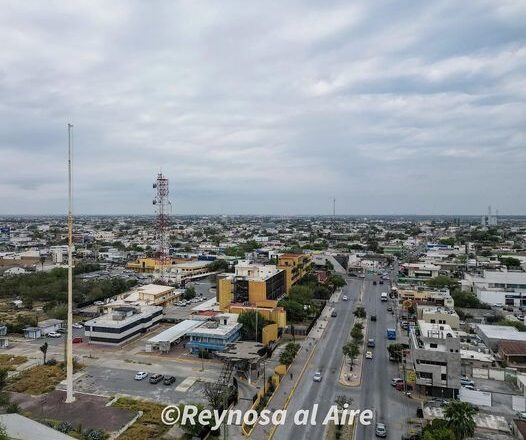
(275, 107)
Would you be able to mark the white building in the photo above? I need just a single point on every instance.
(122, 324)
(510, 281)
(491, 335)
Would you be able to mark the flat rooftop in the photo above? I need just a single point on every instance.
(107, 320)
(502, 332)
(154, 289)
(437, 331)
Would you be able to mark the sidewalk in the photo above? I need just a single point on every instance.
(286, 388)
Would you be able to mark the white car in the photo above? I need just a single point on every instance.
(344, 298)
(369, 355)
(141, 375)
(53, 335)
(77, 325)
(317, 377)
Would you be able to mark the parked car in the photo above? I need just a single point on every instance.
(389, 309)
(380, 430)
(371, 343)
(334, 314)
(317, 377)
(373, 317)
(156, 378)
(469, 387)
(344, 298)
(141, 375)
(77, 340)
(168, 380)
(374, 283)
(61, 331)
(396, 380)
(53, 335)
(369, 355)
(77, 325)
(464, 381)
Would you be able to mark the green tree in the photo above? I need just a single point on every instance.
(336, 281)
(218, 265)
(510, 262)
(189, 293)
(193, 430)
(301, 294)
(3, 433)
(360, 312)
(437, 430)
(248, 320)
(351, 350)
(3, 377)
(442, 281)
(357, 334)
(295, 311)
(460, 418)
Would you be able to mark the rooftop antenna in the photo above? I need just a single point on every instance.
(334, 207)
(69, 344)
(162, 208)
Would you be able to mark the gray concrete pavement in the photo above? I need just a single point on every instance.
(375, 392)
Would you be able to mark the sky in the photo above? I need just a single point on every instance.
(264, 107)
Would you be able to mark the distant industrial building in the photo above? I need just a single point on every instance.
(122, 324)
(492, 335)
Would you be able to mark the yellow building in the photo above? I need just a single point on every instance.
(148, 295)
(296, 266)
(253, 286)
(438, 297)
(147, 265)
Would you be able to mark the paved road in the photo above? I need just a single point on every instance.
(375, 391)
(327, 359)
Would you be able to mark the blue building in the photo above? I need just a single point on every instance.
(215, 334)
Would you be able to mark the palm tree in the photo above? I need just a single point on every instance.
(43, 349)
(459, 417)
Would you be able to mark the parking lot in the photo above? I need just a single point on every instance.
(112, 381)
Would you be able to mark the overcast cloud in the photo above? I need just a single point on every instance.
(265, 107)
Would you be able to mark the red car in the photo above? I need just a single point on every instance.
(77, 340)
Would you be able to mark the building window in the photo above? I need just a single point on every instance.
(433, 345)
(443, 376)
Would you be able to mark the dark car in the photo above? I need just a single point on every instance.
(334, 314)
(389, 309)
(168, 380)
(373, 317)
(156, 378)
(374, 283)
(371, 343)
(77, 340)
(381, 282)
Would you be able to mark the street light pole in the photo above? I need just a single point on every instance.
(69, 345)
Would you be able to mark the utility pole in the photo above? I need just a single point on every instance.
(69, 346)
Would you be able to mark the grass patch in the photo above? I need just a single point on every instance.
(10, 362)
(147, 427)
(39, 380)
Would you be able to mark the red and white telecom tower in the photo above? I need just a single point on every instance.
(162, 210)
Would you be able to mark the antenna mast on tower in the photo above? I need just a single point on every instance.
(162, 208)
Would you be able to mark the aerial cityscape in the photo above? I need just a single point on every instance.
(289, 220)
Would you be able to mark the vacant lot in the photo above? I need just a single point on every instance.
(10, 362)
(149, 425)
(38, 380)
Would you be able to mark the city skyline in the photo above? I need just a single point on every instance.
(274, 109)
